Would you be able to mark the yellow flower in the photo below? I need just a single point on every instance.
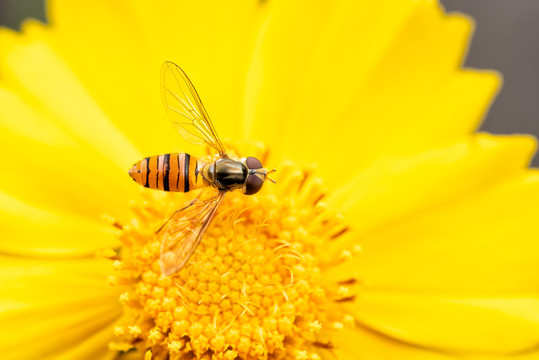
(394, 231)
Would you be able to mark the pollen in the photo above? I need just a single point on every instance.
(255, 288)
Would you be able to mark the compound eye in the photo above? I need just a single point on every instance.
(253, 163)
(253, 184)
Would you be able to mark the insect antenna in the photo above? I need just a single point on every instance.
(266, 173)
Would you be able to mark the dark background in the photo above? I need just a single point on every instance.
(506, 39)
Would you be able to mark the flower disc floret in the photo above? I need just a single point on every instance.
(252, 290)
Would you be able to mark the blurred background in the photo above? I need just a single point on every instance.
(506, 39)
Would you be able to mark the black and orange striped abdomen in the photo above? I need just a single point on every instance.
(169, 172)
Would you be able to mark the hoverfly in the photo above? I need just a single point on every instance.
(183, 231)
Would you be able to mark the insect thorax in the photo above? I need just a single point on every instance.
(226, 174)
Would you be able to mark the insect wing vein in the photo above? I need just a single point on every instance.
(184, 232)
(182, 102)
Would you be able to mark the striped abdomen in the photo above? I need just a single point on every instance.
(169, 172)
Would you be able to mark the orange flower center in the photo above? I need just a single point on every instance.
(254, 288)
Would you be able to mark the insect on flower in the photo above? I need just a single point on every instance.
(182, 232)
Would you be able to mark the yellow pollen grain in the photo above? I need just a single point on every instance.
(230, 355)
(135, 330)
(112, 280)
(175, 347)
(154, 336)
(124, 298)
(253, 289)
(148, 355)
(119, 331)
(315, 327)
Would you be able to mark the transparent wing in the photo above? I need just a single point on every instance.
(185, 109)
(184, 230)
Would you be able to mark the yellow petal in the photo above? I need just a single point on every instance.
(366, 91)
(364, 344)
(396, 188)
(210, 42)
(68, 179)
(92, 347)
(495, 325)
(530, 354)
(27, 230)
(67, 301)
(68, 102)
(485, 244)
(18, 116)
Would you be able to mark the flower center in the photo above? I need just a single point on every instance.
(253, 289)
